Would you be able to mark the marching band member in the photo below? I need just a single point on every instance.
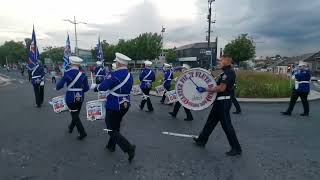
(178, 104)
(168, 76)
(147, 76)
(118, 84)
(37, 80)
(221, 108)
(99, 72)
(77, 85)
(301, 89)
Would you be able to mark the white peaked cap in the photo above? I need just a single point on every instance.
(186, 66)
(148, 63)
(75, 60)
(301, 63)
(122, 59)
(166, 65)
(99, 63)
(114, 66)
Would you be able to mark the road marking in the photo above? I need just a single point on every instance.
(179, 135)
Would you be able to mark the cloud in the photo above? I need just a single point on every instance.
(287, 27)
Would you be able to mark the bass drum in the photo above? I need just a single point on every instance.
(187, 93)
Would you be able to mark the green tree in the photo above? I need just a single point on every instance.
(13, 51)
(240, 49)
(54, 53)
(171, 55)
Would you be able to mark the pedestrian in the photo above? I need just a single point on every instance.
(301, 89)
(221, 108)
(53, 75)
(99, 72)
(118, 83)
(178, 104)
(77, 85)
(37, 80)
(147, 77)
(168, 76)
(22, 69)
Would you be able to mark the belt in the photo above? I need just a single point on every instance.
(75, 89)
(223, 98)
(300, 82)
(34, 77)
(118, 95)
(99, 75)
(147, 80)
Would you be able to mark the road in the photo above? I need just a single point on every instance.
(35, 145)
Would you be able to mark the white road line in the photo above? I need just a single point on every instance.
(179, 135)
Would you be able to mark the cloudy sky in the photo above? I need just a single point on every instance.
(286, 27)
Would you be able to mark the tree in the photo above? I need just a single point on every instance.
(171, 55)
(54, 53)
(13, 52)
(240, 49)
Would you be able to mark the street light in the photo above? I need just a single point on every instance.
(74, 22)
(162, 32)
(209, 28)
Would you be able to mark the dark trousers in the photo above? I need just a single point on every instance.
(220, 113)
(76, 122)
(53, 79)
(164, 94)
(113, 121)
(99, 80)
(146, 100)
(235, 102)
(304, 99)
(38, 92)
(177, 107)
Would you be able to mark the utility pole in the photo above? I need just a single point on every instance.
(162, 32)
(209, 29)
(75, 32)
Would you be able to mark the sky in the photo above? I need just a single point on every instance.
(286, 27)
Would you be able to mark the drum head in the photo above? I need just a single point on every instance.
(187, 93)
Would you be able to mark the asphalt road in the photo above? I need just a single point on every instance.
(35, 145)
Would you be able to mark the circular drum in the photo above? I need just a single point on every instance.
(187, 93)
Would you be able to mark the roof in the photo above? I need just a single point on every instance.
(198, 45)
(293, 60)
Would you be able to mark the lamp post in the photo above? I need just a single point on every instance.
(74, 22)
(162, 32)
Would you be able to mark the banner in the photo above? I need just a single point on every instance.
(172, 96)
(95, 110)
(59, 104)
(136, 90)
(102, 95)
(160, 90)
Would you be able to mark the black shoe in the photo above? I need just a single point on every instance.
(150, 110)
(237, 112)
(131, 153)
(188, 119)
(304, 114)
(111, 149)
(172, 114)
(233, 152)
(81, 137)
(286, 113)
(161, 102)
(198, 142)
(70, 130)
(140, 107)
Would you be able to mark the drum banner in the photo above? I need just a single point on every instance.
(187, 93)
(95, 110)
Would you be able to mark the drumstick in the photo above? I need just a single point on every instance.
(91, 78)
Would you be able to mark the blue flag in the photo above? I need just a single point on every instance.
(66, 55)
(99, 51)
(33, 52)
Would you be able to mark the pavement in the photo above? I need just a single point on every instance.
(35, 144)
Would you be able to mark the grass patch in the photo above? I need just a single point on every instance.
(262, 85)
(249, 84)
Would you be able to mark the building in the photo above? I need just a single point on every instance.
(314, 63)
(86, 55)
(198, 54)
